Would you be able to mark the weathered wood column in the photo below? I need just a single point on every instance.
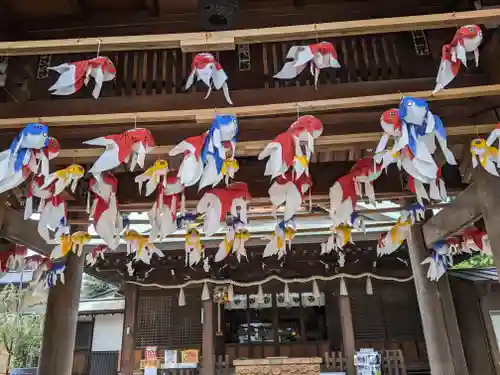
(348, 341)
(128, 339)
(454, 338)
(431, 309)
(58, 343)
(208, 343)
(488, 196)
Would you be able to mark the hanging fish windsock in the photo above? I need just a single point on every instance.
(343, 198)
(193, 247)
(206, 69)
(391, 125)
(73, 76)
(217, 203)
(391, 241)
(53, 218)
(19, 161)
(163, 214)
(131, 145)
(40, 165)
(292, 148)
(192, 164)
(220, 137)
(421, 128)
(467, 39)
(439, 261)
(63, 178)
(320, 56)
(105, 214)
(484, 154)
(96, 253)
(153, 176)
(143, 143)
(290, 192)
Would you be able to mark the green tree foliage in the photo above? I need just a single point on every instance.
(20, 332)
(92, 287)
(480, 260)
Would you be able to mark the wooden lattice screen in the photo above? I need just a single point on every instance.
(161, 322)
(104, 363)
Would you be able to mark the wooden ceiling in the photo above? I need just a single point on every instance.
(27, 19)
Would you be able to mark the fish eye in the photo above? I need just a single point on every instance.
(44, 134)
(410, 103)
(471, 29)
(391, 114)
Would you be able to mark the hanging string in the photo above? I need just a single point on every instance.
(316, 32)
(99, 41)
(135, 120)
(274, 278)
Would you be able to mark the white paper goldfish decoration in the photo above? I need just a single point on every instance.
(193, 247)
(439, 261)
(131, 146)
(74, 76)
(290, 193)
(217, 203)
(293, 148)
(485, 155)
(391, 241)
(206, 69)
(281, 239)
(169, 202)
(467, 39)
(341, 236)
(140, 245)
(28, 155)
(104, 211)
(206, 158)
(319, 55)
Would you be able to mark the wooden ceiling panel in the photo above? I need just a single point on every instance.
(29, 9)
(113, 5)
(178, 7)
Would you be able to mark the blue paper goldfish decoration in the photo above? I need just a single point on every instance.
(205, 156)
(28, 153)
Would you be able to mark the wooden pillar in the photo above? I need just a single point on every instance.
(431, 310)
(58, 342)
(127, 357)
(488, 195)
(348, 342)
(208, 343)
(456, 346)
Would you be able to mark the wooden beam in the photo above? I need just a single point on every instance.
(462, 211)
(127, 360)
(227, 40)
(488, 201)
(253, 148)
(205, 116)
(431, 310)
(24, 232)
(57, 351)
(348, 337)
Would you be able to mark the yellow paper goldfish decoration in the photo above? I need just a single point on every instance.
(487, 155)
(73, 242)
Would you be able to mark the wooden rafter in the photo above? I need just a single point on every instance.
(204, 116)
(253, 148)
(227, 40)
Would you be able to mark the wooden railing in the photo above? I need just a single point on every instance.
(163, 72)
(392, 363)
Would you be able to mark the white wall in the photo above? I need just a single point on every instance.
(108, 331)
